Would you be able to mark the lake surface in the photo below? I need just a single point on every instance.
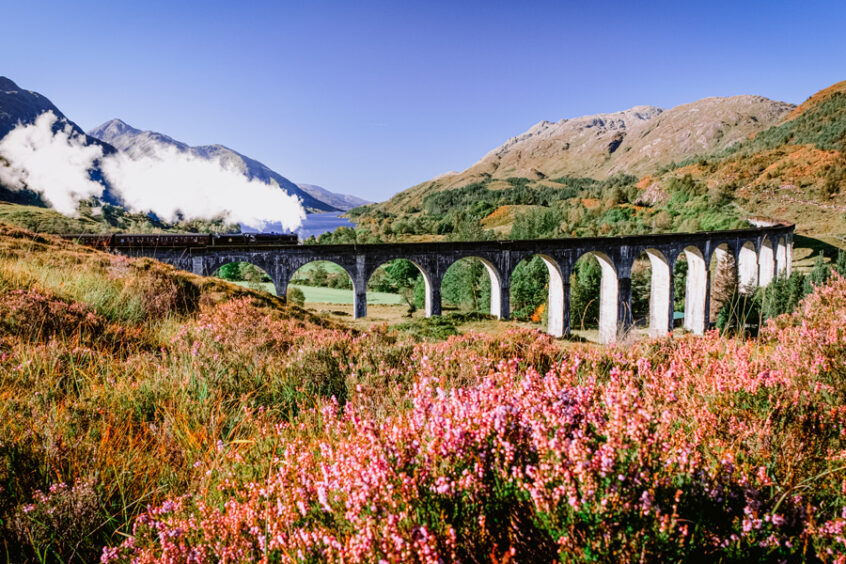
(314, 224)
(319, 223)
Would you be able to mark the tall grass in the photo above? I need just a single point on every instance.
(163, 415)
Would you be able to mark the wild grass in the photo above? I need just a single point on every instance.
(168, 416)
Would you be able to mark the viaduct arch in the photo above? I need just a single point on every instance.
(760, 254)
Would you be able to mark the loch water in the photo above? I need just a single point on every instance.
(314, 224)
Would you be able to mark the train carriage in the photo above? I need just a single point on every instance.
(183, 240)
(178, 240)
(101, 242)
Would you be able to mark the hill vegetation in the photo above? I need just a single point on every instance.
(784, 166)
(171, 417)
(94, 217)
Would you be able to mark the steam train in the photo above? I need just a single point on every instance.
(182, 240)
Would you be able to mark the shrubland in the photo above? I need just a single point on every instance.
(151, 415)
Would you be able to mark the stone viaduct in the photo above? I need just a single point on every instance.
(760, 254)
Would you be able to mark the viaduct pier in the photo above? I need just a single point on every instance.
(759, 255)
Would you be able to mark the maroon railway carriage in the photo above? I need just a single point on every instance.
(130, 240)
(101, 242)
(183, 240)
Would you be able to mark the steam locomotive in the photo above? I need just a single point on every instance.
(181, 240)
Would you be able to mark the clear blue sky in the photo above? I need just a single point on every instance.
(372, 97)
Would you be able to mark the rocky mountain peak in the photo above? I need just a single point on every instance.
(113, 128)
(574, 127)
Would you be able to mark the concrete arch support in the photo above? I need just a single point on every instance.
(747, 268)
(696, 291)
(556, 310)
(660, 294)
(608, 299)
(499, 292)
(433, 294)
(198, 266)
(789, 251)
(766, 263)
(781, 258)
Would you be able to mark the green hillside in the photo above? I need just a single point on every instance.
(795, 170)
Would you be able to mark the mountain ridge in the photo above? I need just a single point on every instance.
(343, 202)
(20, 106)
(137, 143)
(636, 141)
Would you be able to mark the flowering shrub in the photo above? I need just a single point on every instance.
(227, 430)
(38, 316)
(674, 449)
(58, 521)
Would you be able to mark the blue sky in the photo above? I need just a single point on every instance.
(373, 97)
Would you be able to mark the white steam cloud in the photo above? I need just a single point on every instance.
(56, 166)
(168, 182)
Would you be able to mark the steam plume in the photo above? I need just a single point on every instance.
(166, 181)
(55, 165)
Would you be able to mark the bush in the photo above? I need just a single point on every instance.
(296, 296)
(58, 525)
(672, 450)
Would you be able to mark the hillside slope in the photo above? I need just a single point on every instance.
(152, 415)
(705, 165)
(795, 170)
(343, 202)
(635, 141)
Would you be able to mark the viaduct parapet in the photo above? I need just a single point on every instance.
(759, 255)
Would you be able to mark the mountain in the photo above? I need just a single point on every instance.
(341, 201)
(635, 141)
(19, 106)
(794, 170)
(708, 165)
(138, 143)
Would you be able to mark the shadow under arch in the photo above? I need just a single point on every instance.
(432, 302)
(498, 308)
(747, 268)
(695, 290)
(723, 272)
(782, 257)
(766, 263)
(557, 306)
(245, 273)
(304, 275)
